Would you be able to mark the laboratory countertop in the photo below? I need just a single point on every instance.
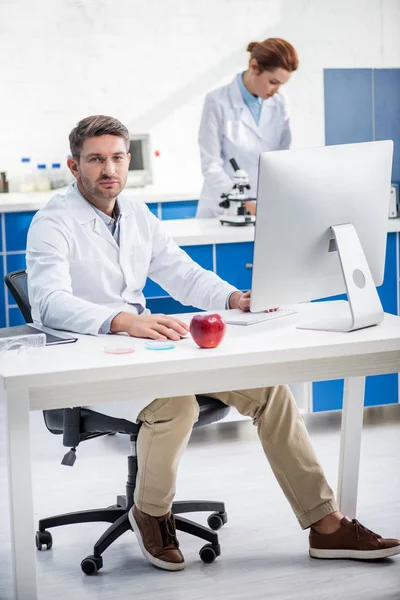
(198, 232)
(193, 232)
(393, 225)
(186, 232)
(20, 202)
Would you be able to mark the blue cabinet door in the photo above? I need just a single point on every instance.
(348, 106)
(178, 210)
(2, 296)
(15, 317)
(379, 389)
(153, 208)
(389, 288)
(168, 306)
(234, 263)
(203, 255)
(17, 225)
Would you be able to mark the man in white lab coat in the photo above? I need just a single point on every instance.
(89, 253)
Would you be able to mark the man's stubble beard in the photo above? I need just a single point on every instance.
(98, 192)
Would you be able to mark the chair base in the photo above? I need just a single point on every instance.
(117, 515)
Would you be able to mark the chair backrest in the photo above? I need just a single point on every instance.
(17, 283)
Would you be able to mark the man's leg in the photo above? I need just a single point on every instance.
(288, 448)
(166, 427)
(291, 455)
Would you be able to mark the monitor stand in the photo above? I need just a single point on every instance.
(365, 308)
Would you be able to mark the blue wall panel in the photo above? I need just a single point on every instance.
(387, 112)
(348, 106)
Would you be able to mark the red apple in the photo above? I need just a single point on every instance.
(207, 330)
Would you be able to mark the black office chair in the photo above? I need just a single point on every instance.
(80, 424)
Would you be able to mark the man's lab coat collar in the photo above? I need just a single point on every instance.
(84, 213)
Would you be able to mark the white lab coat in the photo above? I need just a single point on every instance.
(78, 276)
(228, 130)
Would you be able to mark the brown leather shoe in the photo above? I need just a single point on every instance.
(352, 540)
(157, 539)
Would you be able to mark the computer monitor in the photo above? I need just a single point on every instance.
(321, 229)
(139, 170)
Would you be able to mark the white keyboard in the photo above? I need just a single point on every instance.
(247, 318)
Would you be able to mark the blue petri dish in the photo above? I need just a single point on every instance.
(160, 345)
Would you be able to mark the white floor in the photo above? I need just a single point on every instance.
(264, 552)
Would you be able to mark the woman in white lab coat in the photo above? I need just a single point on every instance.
(244, 118)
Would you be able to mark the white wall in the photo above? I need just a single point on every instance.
(150, 63)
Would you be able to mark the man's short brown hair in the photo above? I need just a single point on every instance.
(95, 126)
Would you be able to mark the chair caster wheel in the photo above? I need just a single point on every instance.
(90, 565)
(209, 552)
(43, 537)
(217, 520)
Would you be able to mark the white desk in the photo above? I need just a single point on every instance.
(266, 354)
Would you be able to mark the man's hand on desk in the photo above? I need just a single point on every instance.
(242, 300)
(155, 327)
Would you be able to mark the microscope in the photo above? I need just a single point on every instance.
(233, 202)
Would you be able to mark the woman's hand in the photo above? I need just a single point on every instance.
(250, 207)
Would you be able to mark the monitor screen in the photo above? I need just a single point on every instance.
(136, 152)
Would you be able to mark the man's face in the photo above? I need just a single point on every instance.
(102, 168)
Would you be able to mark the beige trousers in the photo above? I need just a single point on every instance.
(165, 432)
